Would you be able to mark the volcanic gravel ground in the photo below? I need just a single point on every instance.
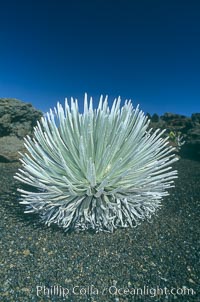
(36, 260)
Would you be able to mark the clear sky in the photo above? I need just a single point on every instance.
(146, 50)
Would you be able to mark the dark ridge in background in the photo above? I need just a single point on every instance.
(17, 120)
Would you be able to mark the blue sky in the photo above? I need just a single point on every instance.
(147, 51)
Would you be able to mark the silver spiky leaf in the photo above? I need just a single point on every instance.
(102, 169)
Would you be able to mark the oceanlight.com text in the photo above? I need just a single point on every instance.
(91, 290)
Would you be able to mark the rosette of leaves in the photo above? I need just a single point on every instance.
(100, 169)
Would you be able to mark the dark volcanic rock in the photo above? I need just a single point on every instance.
(17, 119)
(159, 256)
(189, 129)
(192, 147)
(196, 118)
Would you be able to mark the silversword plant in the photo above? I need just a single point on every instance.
(100, 169)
